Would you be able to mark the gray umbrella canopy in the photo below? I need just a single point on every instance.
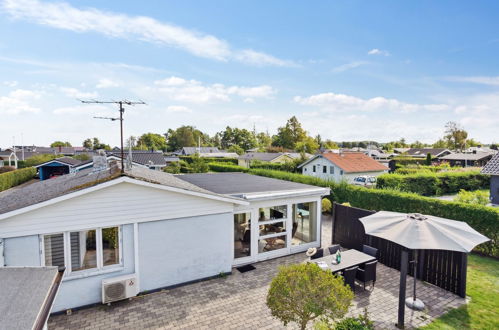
(417, 232)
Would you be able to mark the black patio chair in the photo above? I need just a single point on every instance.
(370, 250)
(318, 254)
(349, 277)
(334, 248)
(368, 274)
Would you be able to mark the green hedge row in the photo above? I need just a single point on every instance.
(224, 167)
(409, 161)
(14, 178)
(482, 218)
(190, 159)
(430, 184)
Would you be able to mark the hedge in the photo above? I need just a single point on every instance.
(430, 184)
(224, 167)
(14, 178)
(484, 219)
(190, 159)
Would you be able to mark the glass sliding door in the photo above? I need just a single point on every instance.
(272, 229)
(304, 223)
(242, 235)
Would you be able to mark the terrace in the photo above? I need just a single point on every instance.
(238, 301)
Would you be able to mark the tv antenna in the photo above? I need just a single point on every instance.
(120, 118)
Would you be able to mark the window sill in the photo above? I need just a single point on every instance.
(85, 274)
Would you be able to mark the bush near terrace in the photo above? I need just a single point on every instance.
(482, 218)
(14, 178)
(431, 184)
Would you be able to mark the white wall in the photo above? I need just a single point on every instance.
(117, 204)
(22, 251)
(181, 250)
(337, 176)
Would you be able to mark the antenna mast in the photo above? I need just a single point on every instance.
(122, 110)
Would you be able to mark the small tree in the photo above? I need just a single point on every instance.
(428, 159)
(198, 165)
(304, 292)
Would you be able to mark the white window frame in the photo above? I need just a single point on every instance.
(100, 269)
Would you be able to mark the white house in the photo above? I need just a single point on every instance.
(342, 166)
(162, 230)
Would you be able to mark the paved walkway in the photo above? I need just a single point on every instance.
(238, 302)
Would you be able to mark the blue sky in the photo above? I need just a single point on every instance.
(349, 70)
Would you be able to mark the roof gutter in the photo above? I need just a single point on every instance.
(288, 193)
(44, 314)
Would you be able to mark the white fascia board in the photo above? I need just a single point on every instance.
(112, 183)
(288, 193)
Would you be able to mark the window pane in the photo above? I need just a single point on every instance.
(242, 235)
(273, 212)
(272, 228)
(304, 223)
(110, 246)
(54, 250)
(83, 250)
(271, 244)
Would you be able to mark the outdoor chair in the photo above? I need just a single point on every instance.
(370, 250)
(334, 248)
(349, 277)
(368, 274)
(318, 254)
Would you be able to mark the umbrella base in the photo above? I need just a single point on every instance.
(417, 304)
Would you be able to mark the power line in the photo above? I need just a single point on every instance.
(120, 118)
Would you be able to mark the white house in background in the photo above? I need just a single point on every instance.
(155, 229)
(338, 166)
(246, 159)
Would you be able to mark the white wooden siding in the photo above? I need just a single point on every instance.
(118, 204)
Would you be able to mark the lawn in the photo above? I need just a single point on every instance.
(482, 312)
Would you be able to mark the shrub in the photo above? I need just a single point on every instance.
(198, 165)
(361, 322)
(5, 169)
(173, 168)
(312, 292)
(190, 159)
(327, 206)
(430, 184)
(482, 218)
(224, 167)
(14, 178)
(39, 159)
(478, 197)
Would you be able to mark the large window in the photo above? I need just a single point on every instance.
(87, 250)
(242, 235)
(272, 213)
(304, 223)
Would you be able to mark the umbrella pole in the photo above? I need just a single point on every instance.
(413, 302)
(414, 273)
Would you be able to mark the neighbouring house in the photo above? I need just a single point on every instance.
(492, 169)
(400, 150)
(61, 166)
(153, 160)
(28, 294)
(158, 229)
(423, 152)
(246, 159)
(191, 151)
(478, 159)
(342, 166)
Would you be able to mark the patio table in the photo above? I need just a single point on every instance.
(349, 258)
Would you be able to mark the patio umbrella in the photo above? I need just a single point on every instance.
(422, 232)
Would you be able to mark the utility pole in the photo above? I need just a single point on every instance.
(122, 111)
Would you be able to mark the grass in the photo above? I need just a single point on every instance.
(482, 312)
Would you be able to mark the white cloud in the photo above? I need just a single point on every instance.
(483, 80)
(62, 15)
(11, 83)
(376, 51)
(107, 83)
(348, 66)
(76, 93)
(193, 91)
(18, 101)
(346, 103)
(178, 108)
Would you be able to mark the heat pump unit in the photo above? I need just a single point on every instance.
(119, 288)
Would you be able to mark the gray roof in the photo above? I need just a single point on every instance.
(24, 292)
(492, 166)
(17, 198)
(235, 183)
(145, 158)
(262, 156)
(65, 160)
(422, 152)
(467, 156)
(194, 150)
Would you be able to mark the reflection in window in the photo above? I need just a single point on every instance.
(273, 212)
(304, 223)
(54, 250)
(271, 243)
(242, 235)
(110, 246)
(272, 228)
(83, 250)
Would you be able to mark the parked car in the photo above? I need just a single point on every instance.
(365, 181)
